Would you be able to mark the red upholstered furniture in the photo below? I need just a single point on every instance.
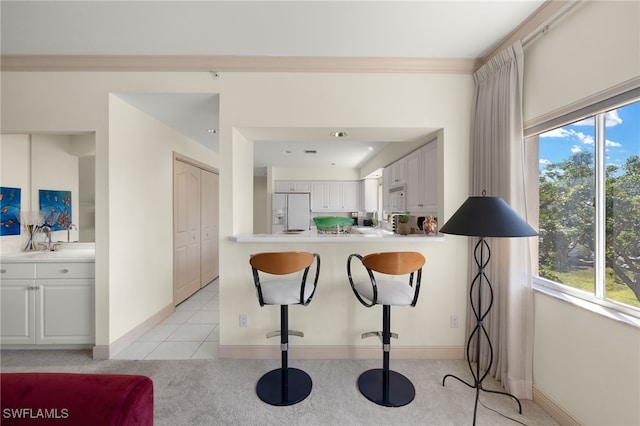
(75, 399)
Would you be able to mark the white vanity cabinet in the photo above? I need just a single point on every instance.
(47, 303)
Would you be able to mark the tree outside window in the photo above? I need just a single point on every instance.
(589, 189)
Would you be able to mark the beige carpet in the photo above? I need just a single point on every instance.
(222, 391)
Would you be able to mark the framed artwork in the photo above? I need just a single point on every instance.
(10, 211)
(55, 208)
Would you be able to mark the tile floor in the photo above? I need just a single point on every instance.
(191, 332)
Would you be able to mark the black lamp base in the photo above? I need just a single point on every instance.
(273, 390)
(399, 390)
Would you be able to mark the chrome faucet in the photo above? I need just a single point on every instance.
(71, 225)
(47, 232)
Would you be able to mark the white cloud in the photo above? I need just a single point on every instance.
(613, 143)
(544, 162)
(568, 134)
(556, 133)
(575, 149)
(611, 118)
(585, 139)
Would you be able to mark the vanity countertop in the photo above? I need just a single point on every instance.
(69, 252)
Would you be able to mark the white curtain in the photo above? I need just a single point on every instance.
(498, 166)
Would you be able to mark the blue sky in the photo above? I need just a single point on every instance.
(622, 136)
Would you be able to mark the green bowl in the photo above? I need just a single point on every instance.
(333, 224)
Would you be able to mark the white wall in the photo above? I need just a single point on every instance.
(36, 101)
(142, 205)
(350, 100)
(587, 363)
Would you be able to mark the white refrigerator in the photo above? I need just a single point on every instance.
(290, 212)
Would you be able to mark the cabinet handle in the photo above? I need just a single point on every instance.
(36, 287)
(64, 271)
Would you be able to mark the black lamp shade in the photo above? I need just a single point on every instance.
(487, 217)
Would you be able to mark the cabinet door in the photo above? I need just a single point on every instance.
(65, 311)
(430, 177)
(399, 172)
(334, 196)
(414, 182)
(291, 186)
(351, 196)
(319, 196)
(17, 312)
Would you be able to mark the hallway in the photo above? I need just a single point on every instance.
(191, 332)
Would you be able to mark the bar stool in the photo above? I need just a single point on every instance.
(384, 386)
(285, 385)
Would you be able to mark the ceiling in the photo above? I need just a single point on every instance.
(339, 28)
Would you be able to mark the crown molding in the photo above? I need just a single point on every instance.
(198, 63)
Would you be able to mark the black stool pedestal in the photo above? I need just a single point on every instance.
(396, 392)
(275, 389)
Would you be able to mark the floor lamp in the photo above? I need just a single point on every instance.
(484, 217)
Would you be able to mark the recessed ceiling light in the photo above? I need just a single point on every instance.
(370, 148)
(338, 134)
(286, 151)
(212, 130)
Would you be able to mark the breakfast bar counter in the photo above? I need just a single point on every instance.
(367, 235)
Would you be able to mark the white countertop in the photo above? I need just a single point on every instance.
(70, 252)
(313, 237)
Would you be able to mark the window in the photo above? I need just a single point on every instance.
(589, 206)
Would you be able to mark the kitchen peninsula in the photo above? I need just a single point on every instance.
(361, 236)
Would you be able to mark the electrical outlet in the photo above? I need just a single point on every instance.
(453, 321)
(244, 320)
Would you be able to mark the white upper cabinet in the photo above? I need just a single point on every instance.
(292, 186)
(398, 172)
(335, 196)
(422, 180)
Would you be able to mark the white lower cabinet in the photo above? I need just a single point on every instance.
(47, 303)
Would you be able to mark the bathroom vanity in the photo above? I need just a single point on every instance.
(47, 298)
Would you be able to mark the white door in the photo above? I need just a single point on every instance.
(209, 226)
(186, 238)
(298, 215)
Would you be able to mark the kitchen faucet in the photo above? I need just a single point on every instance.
(71, 225)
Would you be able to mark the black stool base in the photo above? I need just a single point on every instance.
(400, 391)
(270, 388)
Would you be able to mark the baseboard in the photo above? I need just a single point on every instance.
(114, 348)
(555, 410)
(340, 352)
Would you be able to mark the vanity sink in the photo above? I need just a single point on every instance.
(65, 251)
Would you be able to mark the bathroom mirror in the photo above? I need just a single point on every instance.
(66, 162)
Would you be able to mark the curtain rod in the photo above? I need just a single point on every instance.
(544, 26)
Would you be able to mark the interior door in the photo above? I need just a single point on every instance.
(209, 227)
(186, 218)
